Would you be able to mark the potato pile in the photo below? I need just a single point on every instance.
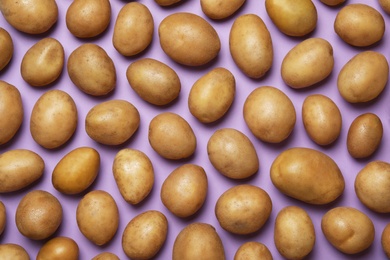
(207, 129)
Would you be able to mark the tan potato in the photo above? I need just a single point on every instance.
(243, 209)
(41, 14)
(166, 2)
(6, 48)
(3, 217)
(348, 229)
(13, 252)
(321, 118)
(154, 81)
(385, 5)
(197, 241)
(171, 136)
(184, 191)
(333, 2)
(88, 18)
(97, 217)
(232, 153)
(199, 41)
(112, 122)
(307, 63)
(19, 169)
(76, 171)
(134, 175)
(220, 9)
(269, 114)
(92, 70)
(385, 240)
(356, 78)
(59, 248)
(307, 175)
(212, 95)
(42, 64)
(38, 215)
(11, 110)
(133, 19)
(253, 250)
(359, 25)
(106, 256)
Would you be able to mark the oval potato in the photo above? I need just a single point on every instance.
(220, 9)
(3, 217)
(333, 2)
(253, 250)
(59, 248)
(385, 5)
(13, 251)
(106, 256)
(385, 240)
(166, 2)
(6, 48)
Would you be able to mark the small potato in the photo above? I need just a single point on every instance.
(12, 251)
(385, 5)
(243, 209)
(212, 95)
(253, 250)
(348, 229)
(97, 217)
(144, 235)
(6, 48)
(199, 41)
(333, 2)
(308, 63)
(385, 240)
(134, 20)
(3, 217)
(359, 25)
(112, 122)
(42, 64)
(59, 248)
(154, 81)
(269, 114)
(184, 191)
(220, 9)
(232, 153)
(106, 256)
(167, 2)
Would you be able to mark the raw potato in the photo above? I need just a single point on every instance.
(232, 153)
(184, 191)
(59, 248)
(333, 2)
(253, 250)
(307, 63)
(250, 45)
(199, 41)
(348, 229)
(220, 9)
(53, 119)
(359, 25)
(112, 122)
(385, 240)
(134, 175)
(198, 241)
(106, 256)
(167, 2)
(385, 5)
(269, 114)
(97, 217)
(6, 48)
(42, 64)
(76, 171)
(19, 169)
(307, 175)
(212, 95)
(88, 18)
(13, 252)
(154, 81)
(3, 217)
(92, 70)
(243, 209)
(38, 215)
(134, 20)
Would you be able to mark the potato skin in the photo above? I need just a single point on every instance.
(166, 2)
(385, 5)
(333, 2)
(220, 9)
(6, 48)
(3, 217)
(59, 248)
(385, 240)
(106, 256)
(14, 252)
(253, 250)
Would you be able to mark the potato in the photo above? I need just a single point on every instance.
(76, 171)
(385, 5)
(294, 233)
(13, 252)
(333, 2)
(198, 241)
(88, 18)
(112, 122)
(253, 250)
(19, 169)
(166, 2)
(348, 229)
(133, 19)
(30, 16)
(59, 248)
(184, 191)
(385, 240)
(232, 153)
(291, 17)
(97, 217)
(38, 215)
(42, 64)
(11, 110)
(3, 217)
(243, 209)
(220, 9)
(106, 256)
(359, 25)
(269, 114)
(134, 175)
(199, 41)
(154, 81)
(364, 77)
(307, 175)
(321, 118)
(307, 63)
(250, 45)
(212, 95)
(171, 136)
(92, 70)
(6, 48)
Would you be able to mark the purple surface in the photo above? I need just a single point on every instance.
(217, 183)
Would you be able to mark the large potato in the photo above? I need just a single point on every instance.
(220, 9)
(6, 48)
(253, 250)
(59, 248)
(12, 251)
(3, 217)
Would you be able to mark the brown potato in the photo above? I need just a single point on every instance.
(253, 250)
(13, 252)
(106, 256)
(6, 48)
(385, 240)
(333, 2)
(167, 2)
(59, 248)
(220, 9)
(3, 217)
(385, 5)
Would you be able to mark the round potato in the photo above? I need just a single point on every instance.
(6, 48)
(220, 9)
(333, 2)
(253, 250)
(59, 248)
(385, 5)
(166, 2)
(385, 240)
(106, 256)
(13, 251)
(3, 217)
